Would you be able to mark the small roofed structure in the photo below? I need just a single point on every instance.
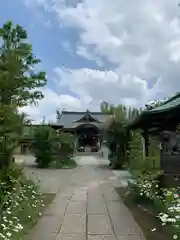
(165, 116)
(86, 126)
(163, 121)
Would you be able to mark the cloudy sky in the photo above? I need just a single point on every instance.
(121, 51)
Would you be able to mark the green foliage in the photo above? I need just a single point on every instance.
(10, 130)
(43, 145)
(53, 148)
(117, 132)
(136, 154)
(152, 162)
(67, 142)
(164, 203)
(18, 79)
(147, 175)
(116, 142)
(21, 205)
(18, 86)
(8, 179)
(65, 163)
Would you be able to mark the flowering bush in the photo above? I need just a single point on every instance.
(146, 186)
(172, 215)
(165, 201)
(147, 189)
(19, 209)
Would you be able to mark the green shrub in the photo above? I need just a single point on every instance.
(115, 162)
(43, 145)
(53, 149)
(65, 163)
(67, 143)
(135, 152)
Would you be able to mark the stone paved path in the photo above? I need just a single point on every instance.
(87, 207)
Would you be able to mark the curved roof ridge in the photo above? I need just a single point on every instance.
(89, 113)
(177, 95)
(82, 112)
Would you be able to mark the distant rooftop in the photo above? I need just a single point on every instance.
(83, 112)
(69, 118)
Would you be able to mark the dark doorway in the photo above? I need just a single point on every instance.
(87, 138)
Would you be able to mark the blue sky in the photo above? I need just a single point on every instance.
(100, 50)
(53, 44)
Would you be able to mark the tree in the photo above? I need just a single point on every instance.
(43, 145)
(19, 82)
(133, 113)
(117, 132)
(20, 85)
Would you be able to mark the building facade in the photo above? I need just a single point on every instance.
(87, 127)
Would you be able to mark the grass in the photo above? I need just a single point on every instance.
(143, 215)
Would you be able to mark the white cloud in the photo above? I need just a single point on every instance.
(95, 85)
(141, 38)
(52, 101)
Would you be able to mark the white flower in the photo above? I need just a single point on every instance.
(175, 237)
(8, 234)
(2, 235)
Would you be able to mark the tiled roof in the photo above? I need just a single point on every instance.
(168, 105)
(68, 118)
(150, 115)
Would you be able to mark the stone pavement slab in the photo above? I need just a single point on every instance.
(79, 197)
(102, 237)
(42, 236)
(110, 194)
(76, 208)
(57, 208)
(99, 224)
(96, 207)
(130, 237)
(73, 223)
(86, 206)
(71, 237)
(64, 197)
(118, 209)
(125, 225)
(47, 228)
